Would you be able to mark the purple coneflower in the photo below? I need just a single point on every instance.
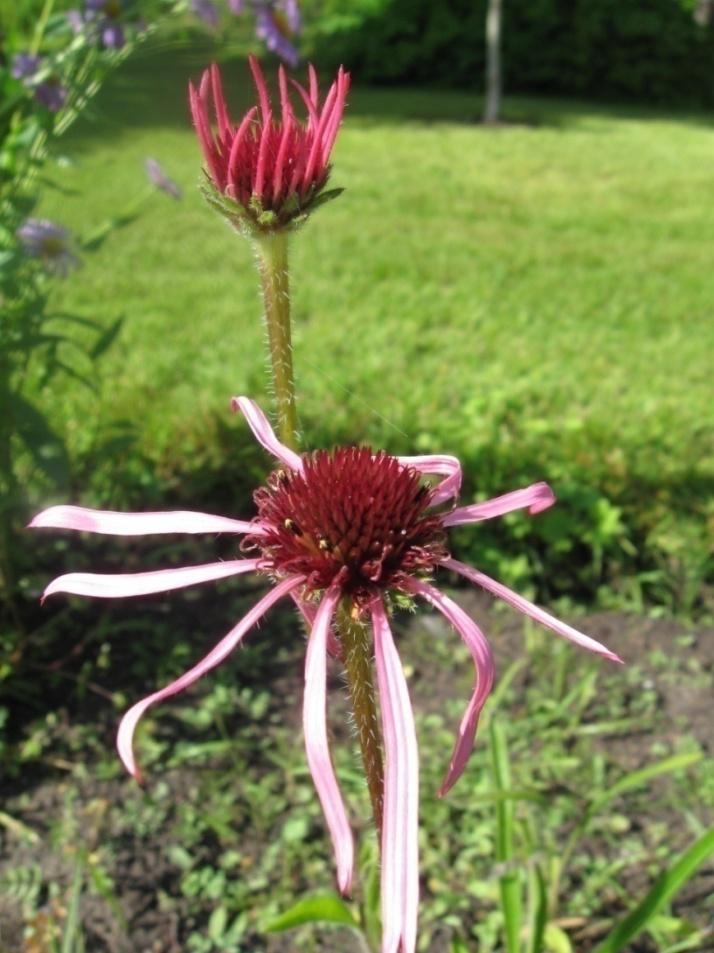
(158, 177)
(271, 172)
(350, 528)
(44, 239)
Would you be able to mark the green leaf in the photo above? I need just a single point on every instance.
(557, 940)
(217, 924)
(106, 338)
(665, 887)
(318, 908)
(45, 446)
(458, 946)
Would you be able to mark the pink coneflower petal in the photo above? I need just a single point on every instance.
(128, 723)
(310, 105)
(536, 498)
(238, 140)
(105, 586)
(485, 672)
(400, 827)
(308, 610)
(261, 89)
(219, 101)
(316, 746)
(442, 465)
(332, 128)
(264, 433)
(138, 524)
(529, 609)
(313, 85)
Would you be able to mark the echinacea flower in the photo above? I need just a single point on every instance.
(266, 174)
(158, 177)
(50, 242)
(346, 527)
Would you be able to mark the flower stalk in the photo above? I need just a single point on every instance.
(356, 641)
(272, 254)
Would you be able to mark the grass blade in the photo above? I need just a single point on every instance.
(664, 889)
(71, 937)
(505, 822)
(636, 778)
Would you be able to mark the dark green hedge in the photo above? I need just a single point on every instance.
(651, 51)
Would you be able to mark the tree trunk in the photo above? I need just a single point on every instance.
(494, 77)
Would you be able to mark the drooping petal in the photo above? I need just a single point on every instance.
(528, 608)
(443, 465)
(483, 662)
(316, 746)
(112, 523)
(264, 433)
(103, 586)
(217, 654)
(400, 843)
(536, 498)
(308, 610)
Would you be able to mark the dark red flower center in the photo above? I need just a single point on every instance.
(353, 518)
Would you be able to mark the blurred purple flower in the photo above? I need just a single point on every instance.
(158, 177)
(206, 11)
(274, 25)
(291, 10)
(236, 6)
(25, 65)
(75, 20)
(44, 239)
(51, 94)
(105, 15)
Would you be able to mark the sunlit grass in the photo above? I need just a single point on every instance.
(536, 298)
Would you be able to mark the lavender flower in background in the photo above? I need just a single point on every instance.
(44, 239)
(25, 66)
(50, 93)
(206, 11)
(275, 24)
(105, 17)
(158, 177)
(75, 20)
(236, 6)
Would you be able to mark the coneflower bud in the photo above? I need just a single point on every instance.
(265, 173)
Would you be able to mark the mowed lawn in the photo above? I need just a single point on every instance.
(539, 293)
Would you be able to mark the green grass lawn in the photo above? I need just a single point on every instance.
(535, 298)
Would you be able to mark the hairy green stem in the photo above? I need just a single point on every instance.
(272, 251)
(357, 647)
